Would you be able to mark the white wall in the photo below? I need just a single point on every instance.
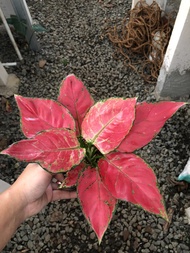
(161, 3)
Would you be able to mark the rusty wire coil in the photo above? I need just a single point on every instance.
(142, 39)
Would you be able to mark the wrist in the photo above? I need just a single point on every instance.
(11, 214)
(17, 204)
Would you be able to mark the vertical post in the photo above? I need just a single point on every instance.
(174, 77)
(3, 75)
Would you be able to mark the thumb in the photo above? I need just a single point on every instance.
(61, 194)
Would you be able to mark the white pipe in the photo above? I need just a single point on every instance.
(28, 12)
(10, 35)
(9, 64)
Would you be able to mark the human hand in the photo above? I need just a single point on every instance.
(36, 189)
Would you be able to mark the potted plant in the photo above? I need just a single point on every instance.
(93, 144)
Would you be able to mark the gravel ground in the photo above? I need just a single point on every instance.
(73, 43)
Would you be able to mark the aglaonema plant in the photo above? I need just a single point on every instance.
(93, 144)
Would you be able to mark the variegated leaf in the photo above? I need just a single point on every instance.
(57, 150)
(96, 201)
(149, 120)
(39, 114)
(107, 123)
(74, 95)
(129, 178)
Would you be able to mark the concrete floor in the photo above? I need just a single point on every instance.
(3, 185)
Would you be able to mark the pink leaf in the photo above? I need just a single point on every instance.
(57, 150)
(149, 120)
(129, 178)
(108, 122)
(74, 95)
(96, 201)
(73, 175)
(41, 114)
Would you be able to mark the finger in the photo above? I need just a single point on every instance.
(59, 194)
(55, 186)
(59, 177)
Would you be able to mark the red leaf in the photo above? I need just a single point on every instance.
(57, 150)
(149, 120)
(129, 178)
(96, 201)
(72, 176)
(41, 114)
(108, 122)
(74, 95)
